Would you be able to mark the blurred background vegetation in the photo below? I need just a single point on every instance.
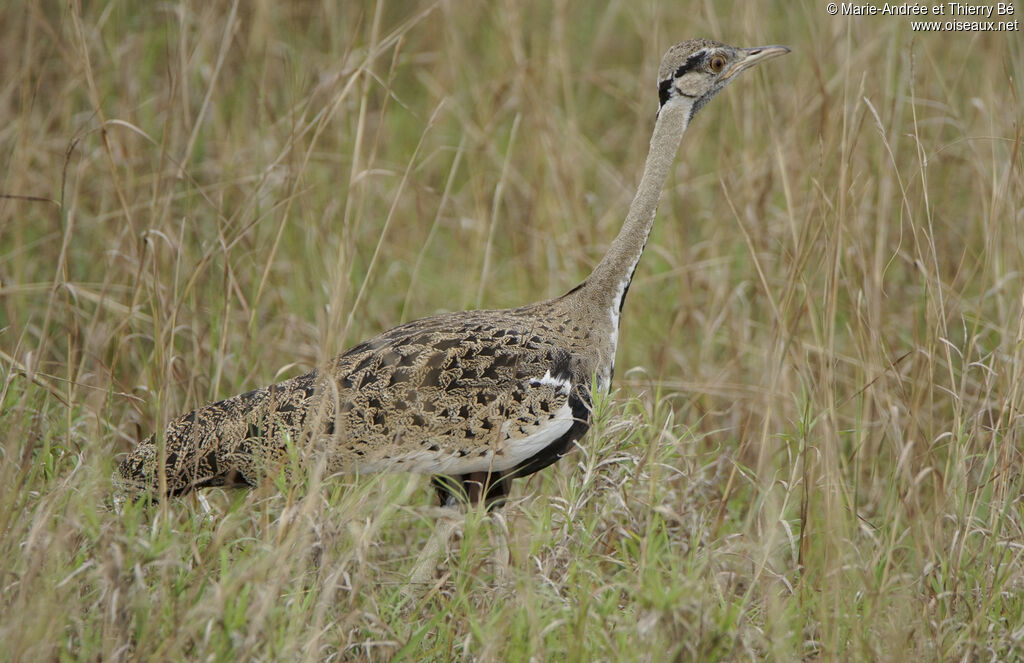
(815, 443)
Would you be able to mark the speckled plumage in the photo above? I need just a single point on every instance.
(455, 394)
(479, 396)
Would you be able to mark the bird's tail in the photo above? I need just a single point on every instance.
(184, 467)
(231, 442)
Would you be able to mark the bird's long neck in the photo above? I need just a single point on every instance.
(608, 283)
(605, 289)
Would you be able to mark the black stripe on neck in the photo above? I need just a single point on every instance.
(622, 299)
(664, 91)
(665, 87)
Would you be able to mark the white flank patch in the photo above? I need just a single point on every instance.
(515, 450)
(561, 385)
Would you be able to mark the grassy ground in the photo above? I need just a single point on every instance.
(817, 454)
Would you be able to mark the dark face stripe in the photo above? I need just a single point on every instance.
(691, 63)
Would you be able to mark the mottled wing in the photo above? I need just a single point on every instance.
(438, 400)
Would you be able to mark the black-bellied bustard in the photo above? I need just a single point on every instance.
(474, 398)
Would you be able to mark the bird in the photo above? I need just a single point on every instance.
(473, 398)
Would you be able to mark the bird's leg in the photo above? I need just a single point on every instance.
(450, 490)
(492, 489)
(475, 484)
(489, 487)
(498, 534)
(495, 490)
(454, 492)
(437, 544)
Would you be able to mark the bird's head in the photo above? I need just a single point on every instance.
(694, 71)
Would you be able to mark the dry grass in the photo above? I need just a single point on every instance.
(818, 455)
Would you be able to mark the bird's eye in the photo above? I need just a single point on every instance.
(717, 63)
